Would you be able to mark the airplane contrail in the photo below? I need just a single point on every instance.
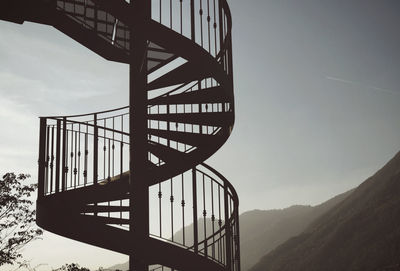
(360, 84)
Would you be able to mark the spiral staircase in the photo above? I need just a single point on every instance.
(181, 112)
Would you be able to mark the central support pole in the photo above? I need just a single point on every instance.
(138, 180)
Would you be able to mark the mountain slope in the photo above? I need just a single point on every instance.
(360, 233)
(262, 231)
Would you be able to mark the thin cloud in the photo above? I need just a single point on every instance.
(361, 85)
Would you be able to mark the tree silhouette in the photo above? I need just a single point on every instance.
(72, 267)
(17, 217)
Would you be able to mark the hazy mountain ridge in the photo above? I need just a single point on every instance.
(361, 233)
(262, 231)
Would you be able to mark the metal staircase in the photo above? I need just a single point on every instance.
(127, 179)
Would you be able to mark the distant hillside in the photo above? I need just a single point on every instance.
(262, 231)
(360, 233)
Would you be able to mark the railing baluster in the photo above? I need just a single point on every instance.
(212, 219)
(122, 146)
(75, 158)
(58, 156)
(79, 155)
(204, 217)
(72, 154)
(52, 159)
(220, 219)
(104, 149)
(85, 167)
(160, 208)
(172, 210)
(47, 158)
(109, 159)
(113, 146)
(183, 210)
(192, 21)
(64, 155)
(42, 158)
(228, 233)
(95, 150)
(195, 226)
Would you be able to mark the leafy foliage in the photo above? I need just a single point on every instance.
(72, 267)
(17, 217)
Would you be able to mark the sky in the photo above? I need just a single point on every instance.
(317, 96)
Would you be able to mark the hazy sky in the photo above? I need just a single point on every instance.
(317, 88)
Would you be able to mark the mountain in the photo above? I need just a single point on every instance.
(360, 233)
(261, 231)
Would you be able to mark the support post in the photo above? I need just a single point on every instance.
(138, 179)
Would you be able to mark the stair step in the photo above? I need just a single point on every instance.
(89, 38)
(192, 139)
(157, 57)
(106, 220)
(218, 119)
(210, 95)
(104, 208)
(165, 153)
(185, 73)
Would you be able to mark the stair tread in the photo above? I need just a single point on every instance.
(165, 153)
(209, 95)
(104, 208)
(193, 139)
(218, 119)
(185, 73)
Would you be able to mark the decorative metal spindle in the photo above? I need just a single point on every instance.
(160, 12)
(113, 146)
(172, 210)
(58, 156)
(71, 154)
(52, 159)
(75, 158)
(104, 149)
(47, 158)
(181, 15)
(209, 26)
(183, 210)
(212, 218)
(85, 164)
(219, 219)
(122, 146)
(228, 233)
(168, 127)
(204, 216)
(109, 160)
(64, 129)
(201, 23)
(170, 14)
(79, 154)
(160, 207)
(215, 29)
(195, 220)
(192, 21)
